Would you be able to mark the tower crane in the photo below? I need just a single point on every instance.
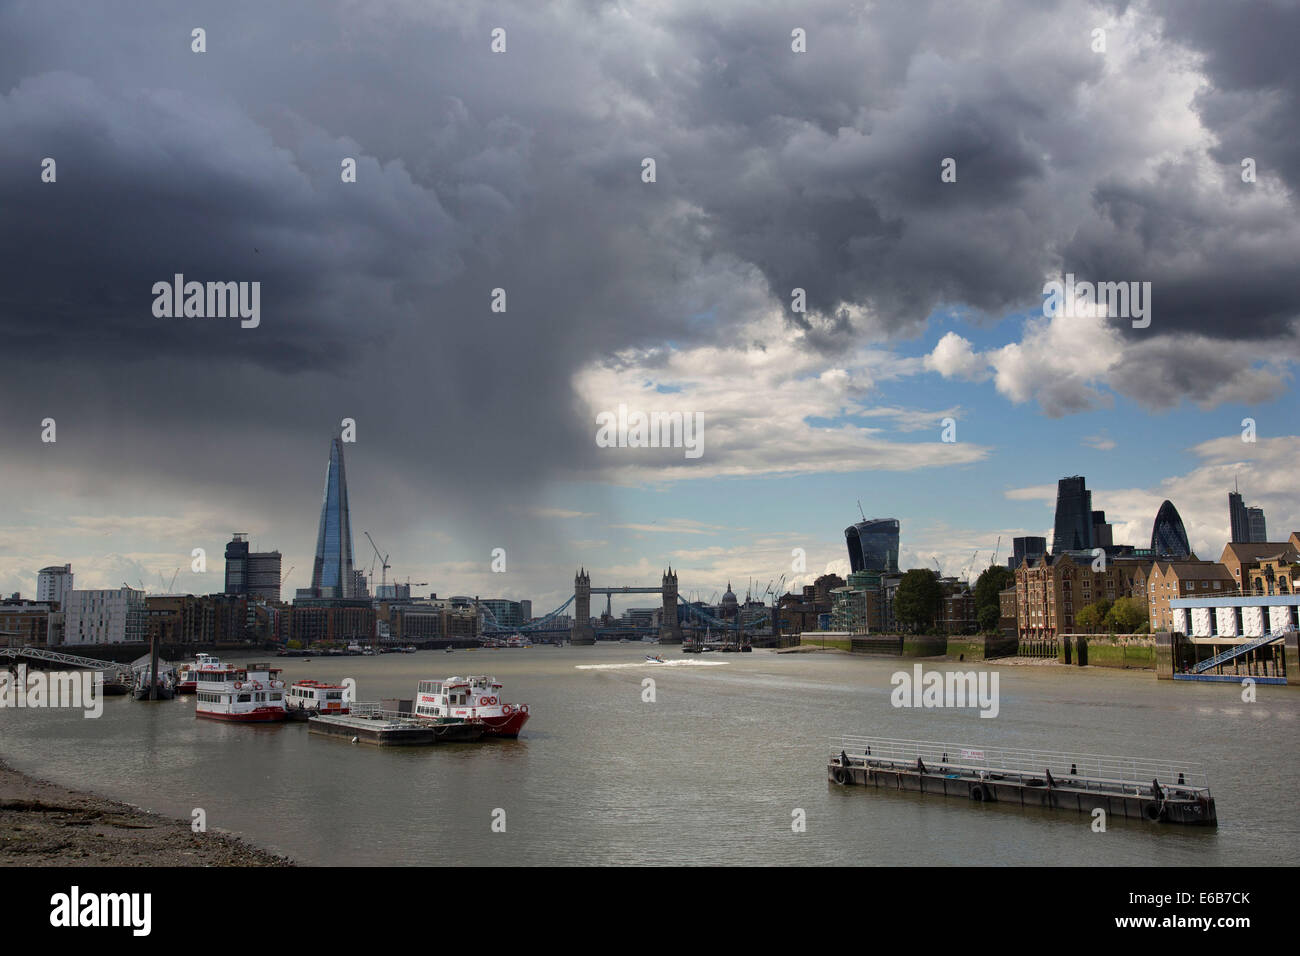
(383, 561)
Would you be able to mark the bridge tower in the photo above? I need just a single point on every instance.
(670, 629)
(582, 632)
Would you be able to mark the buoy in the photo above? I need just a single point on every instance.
(356, 739)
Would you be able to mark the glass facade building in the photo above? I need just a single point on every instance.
(1258, 528)
(1073, 528)
(1247, 524)
(873, 544)
(1028, 546)
(332, 574)
(1168, 536)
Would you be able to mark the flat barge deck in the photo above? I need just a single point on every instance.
(369, 724)
(1155, 790)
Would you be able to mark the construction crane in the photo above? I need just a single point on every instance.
(996, 550)
(383, 561)
(935, 559)
(286, 575)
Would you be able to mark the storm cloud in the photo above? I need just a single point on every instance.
(522, 171)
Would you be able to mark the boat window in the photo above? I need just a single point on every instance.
(244, 698)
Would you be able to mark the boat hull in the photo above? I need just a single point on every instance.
(262, 715)
(507, 725)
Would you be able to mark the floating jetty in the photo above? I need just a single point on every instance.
(367, 723)
(1155, 790)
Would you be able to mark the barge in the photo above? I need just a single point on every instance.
(367, 723)
(1155, 790)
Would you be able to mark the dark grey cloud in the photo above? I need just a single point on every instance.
(521, 171)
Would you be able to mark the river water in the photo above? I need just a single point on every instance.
(710, 772)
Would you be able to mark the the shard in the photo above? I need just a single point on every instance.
(331, 577)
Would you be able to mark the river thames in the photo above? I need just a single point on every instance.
(711, 772)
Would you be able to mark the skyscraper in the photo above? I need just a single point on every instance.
(1238, 519)
(1247, 524)
(254, 573)
(1074, 522)
(1258, 529)
(1029, 546)
(331, 576)
(1168, 536)
(237, 564)
(873, 544)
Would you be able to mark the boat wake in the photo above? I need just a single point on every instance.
(672, 663)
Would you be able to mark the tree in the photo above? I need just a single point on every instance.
(1125, 616)
(918, 600)
(1091, 617)
(988, 604)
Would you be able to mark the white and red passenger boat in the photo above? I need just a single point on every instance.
(307, 698)
(187, 676)
(470, 698)
(252, 694)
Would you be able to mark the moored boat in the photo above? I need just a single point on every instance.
(252, 694)
(187, 676)
(471, 698)
(308, 698)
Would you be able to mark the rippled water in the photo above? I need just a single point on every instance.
(708, 773)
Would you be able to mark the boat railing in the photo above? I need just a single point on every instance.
(1084, 771)
(372, 709)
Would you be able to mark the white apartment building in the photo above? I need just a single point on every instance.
(54, 583)
(104, 617)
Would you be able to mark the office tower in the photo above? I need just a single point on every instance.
(237, 565)
(1101, 536)
(1168, 536)
(263, 575)
(253, 573)
(1073, 527)
(331, 575)
(1030, 546)
(1255, 521)
(1238, 519)
(54, 583)
(359, 587)
(873, 544)
(1247, 524)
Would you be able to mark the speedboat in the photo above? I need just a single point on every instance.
(655, 659)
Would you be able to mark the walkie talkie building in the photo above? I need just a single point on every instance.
(873, 544)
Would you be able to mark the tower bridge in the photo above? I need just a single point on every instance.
(670, 630)
(671, 625)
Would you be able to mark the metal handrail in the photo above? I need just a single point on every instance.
(1235, 651)
(44, 654)
(1095, 768)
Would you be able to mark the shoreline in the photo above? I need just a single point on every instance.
(47, 824)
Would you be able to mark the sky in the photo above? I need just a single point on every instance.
(1114, 156)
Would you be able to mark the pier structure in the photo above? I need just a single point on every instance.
(1154, 790)
(1232, 638)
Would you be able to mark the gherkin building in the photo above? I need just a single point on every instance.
(1168, 537)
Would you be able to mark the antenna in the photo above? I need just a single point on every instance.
(860, 511)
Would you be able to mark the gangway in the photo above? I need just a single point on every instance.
(1233, 652)
(55, 657)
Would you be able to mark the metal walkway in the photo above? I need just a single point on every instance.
(1234, 652)
(70, 660)
(1100, 769)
